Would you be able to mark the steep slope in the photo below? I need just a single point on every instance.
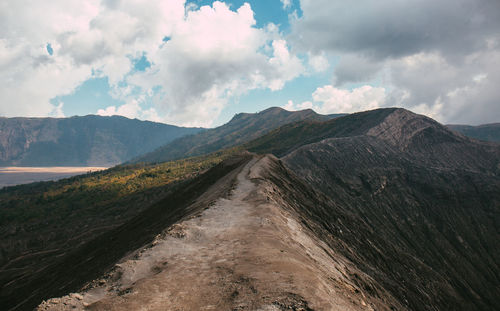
(242, 128)
(417, 206)
(88, 259)
(41, 222)
(81, 141)
(249, 251)
(486, 132)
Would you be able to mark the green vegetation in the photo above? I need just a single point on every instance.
(103, 192)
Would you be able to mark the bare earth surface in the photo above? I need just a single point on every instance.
(13, 175)
(242, 253)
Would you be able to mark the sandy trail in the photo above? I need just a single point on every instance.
(242, 253)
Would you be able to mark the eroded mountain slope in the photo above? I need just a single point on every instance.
(418, 207)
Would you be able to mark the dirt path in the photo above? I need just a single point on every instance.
(241, 253)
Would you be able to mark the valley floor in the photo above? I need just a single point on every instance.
(14, 175)
(245, 252)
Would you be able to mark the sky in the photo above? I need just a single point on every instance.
(199, 62)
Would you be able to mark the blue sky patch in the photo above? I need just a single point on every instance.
(142, 63)
(49, 49)
(89, 97)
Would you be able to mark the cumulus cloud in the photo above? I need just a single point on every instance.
(336, 100)
(286, 4)
(91, 38)
(290, 106)
(430, 84)
(29, 79)
(129, 110)
(426, 53)
(329, 99)
(200, 57)
(29, 75)
(213, 55)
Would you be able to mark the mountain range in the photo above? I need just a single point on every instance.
(106, 141)
(486, 132)
(242, 128)
(81, 141)
(377, 210)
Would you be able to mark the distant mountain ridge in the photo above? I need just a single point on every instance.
(81, 141)
(395, 126)
(486, 132)
(242, 128)
(106, 141)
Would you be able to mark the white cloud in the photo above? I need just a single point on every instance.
(452, 93)
(286, 4)
(440, 58)
(130, 110)
(284, 65)
(133, 109)
(306, 105)
(213, 53)
(334, 100)
(87, 36)
(30, 78)
(318, 62)
(57, 111)
(328, 99)
(289, 106)
(109, 111)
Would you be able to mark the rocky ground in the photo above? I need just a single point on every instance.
(245, 252)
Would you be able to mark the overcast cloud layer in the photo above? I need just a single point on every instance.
(441, 58)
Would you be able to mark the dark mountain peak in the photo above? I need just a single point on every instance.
(419, 137)
(402, 127)
(281, 111)
(273, 110)
(264, 113)
(276, 112)
(239, 116)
